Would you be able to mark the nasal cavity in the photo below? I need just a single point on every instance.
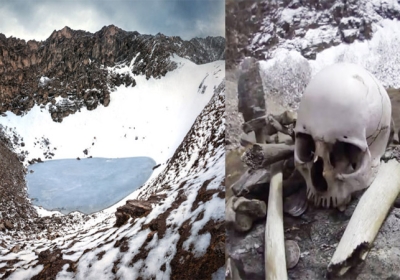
(317, 178)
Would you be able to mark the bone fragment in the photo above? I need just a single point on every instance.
(367, 219)
(287, 117)
(231, 271)
(258, 123)
(275, 260)
(263, 155)
(240, 212)
(272, 123)
(249, 180)
(279, 127)
(246, 140)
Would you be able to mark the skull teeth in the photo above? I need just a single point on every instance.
(326, 202)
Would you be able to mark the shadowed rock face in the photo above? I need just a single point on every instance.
(72, 64)
(16, 212)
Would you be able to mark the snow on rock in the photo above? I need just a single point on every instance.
(310, 27)
(287, 73)
(379, 55)
(44, 81)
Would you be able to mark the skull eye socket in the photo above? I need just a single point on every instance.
(345, 157)
(305, 147)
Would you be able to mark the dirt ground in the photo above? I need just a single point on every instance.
(317, 231)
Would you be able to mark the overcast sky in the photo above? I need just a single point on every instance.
(37, 19)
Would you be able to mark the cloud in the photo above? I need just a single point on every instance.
(28, 19)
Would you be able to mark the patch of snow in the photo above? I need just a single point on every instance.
(288, 15)
(323, 34)
(212, 211)
(64, 274)
(350, 32)
(45, 213)
(25, 274)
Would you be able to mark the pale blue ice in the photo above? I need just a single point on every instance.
(86, 185)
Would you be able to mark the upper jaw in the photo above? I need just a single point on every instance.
(340, 186)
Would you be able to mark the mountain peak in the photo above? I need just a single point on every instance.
(111, 30)
(66, 32)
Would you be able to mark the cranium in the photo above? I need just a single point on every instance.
(341, 132)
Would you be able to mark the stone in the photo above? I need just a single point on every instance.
(250, 207)
(243, 222)
(132, 209)
(247, 252)
(292, 253)
(8, 225)
(16, 249)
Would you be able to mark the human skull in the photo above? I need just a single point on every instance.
(342, 130)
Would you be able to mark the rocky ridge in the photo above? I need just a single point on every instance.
(69, 70)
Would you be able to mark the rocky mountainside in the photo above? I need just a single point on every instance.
(16, 212)
(69, 70)
(256, 28)
(172, 229)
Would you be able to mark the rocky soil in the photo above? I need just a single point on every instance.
(68, 71)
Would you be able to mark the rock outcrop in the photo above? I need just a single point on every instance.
(69, 70)
(16, 212)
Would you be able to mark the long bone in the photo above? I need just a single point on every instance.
(367, 219)
(271, 124)
(263, 155)
(275, 261)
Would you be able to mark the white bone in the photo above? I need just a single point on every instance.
(367, 218)
(275, 260)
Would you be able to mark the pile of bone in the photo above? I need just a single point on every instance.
(251, 190)
(248, 205)
(341, 132)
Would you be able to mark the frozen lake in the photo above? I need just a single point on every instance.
(86, 185)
